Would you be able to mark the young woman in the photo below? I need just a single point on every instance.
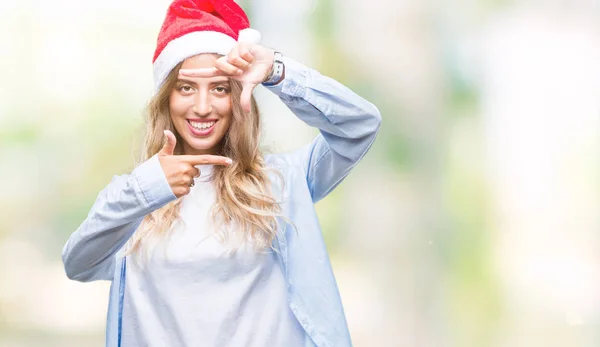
(208, 242)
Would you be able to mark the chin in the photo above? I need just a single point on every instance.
(206, 146)
(203, 146)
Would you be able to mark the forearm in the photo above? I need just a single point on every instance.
(348, 124)
(115, 215)
(328, 105)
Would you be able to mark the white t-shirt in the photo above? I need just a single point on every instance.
(192, 291)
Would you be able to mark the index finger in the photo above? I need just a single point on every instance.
(205, 72)
(206, 159)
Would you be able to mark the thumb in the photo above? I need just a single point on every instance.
(246, 97)
(169, 146)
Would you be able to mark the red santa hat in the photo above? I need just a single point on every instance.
(192, 27)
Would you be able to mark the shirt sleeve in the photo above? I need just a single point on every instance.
(347, 123)
(89, 254)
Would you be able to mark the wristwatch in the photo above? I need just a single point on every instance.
(277, 72)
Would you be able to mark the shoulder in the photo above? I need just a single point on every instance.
(289, 166)
(289, 161)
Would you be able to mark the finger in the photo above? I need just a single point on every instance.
(187, 180)
(239, 63)
(206, 159)
(206, 72)
(244, 52)
(246, 97)
(227, 68)
(169, 146)
(236, 60)
(196, 172)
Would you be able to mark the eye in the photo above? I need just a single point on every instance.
(221, 90)
(185, 89)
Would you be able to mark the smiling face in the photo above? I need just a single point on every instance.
(201, 108)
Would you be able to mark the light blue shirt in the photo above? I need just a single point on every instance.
(348, 126)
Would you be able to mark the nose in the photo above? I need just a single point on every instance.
(202, 103)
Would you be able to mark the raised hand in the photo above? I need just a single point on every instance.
(248, 63)
(180, 170)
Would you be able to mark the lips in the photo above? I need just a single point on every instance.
(202, 127)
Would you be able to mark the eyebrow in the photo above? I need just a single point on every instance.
(224, 80)
(183, 80)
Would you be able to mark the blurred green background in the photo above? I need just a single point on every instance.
(473, 221)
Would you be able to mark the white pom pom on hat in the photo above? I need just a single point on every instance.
(193, 27)
(249, 35)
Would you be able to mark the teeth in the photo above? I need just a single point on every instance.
(202, 125)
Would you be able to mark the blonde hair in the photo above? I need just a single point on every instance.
(244, 196)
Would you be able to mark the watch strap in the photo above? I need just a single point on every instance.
(276, 74)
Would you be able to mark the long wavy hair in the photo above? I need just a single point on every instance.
(244, 198)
